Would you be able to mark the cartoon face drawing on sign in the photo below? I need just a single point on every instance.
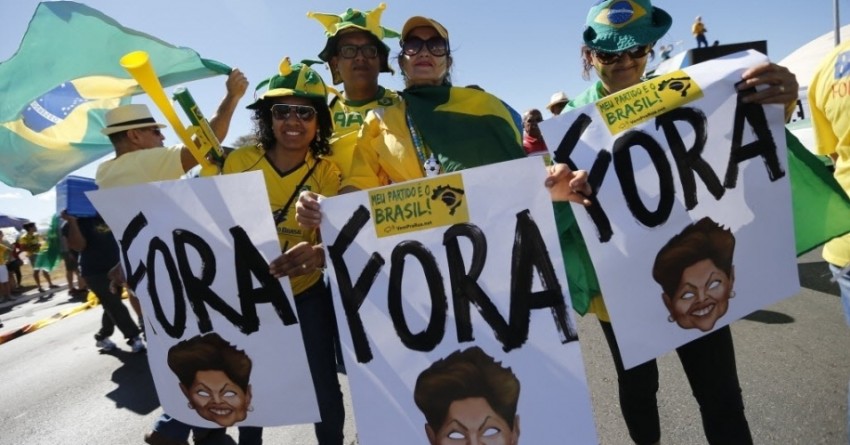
(469, 398)
(214, 376)
(696, 274)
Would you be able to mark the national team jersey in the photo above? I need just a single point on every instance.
(324, 180)
(348, 116)
(829, 99)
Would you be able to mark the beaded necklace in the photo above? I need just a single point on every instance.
(430, 164)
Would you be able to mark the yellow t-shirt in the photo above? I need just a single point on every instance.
(385, 152)
(141, 166)
(829, 100)
(348, 117)
(323, 180)
(30, 242)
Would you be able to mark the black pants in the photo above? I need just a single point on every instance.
(318, 327)
(115, 313)
(709, 363)
(14, 267)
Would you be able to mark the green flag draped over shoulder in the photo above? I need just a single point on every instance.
(62, 80)
(821, 208)
(464, 127)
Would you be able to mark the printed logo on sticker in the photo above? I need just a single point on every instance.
(425, 204)
(631, 107)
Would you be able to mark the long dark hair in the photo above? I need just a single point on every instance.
(320, 145)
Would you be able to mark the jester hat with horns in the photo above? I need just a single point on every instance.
(354, 20)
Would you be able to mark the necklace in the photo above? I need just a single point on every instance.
(430, 164)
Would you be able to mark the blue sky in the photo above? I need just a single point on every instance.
(520, 51)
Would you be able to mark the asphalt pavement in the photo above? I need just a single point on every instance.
(793, 362)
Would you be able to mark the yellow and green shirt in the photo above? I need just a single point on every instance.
(324, 180)
(348, 116)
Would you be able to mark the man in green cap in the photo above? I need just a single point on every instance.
(356, 56)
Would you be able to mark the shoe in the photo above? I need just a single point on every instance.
(155, 438)
(137, 345)
(53, 286)
(40, 289)
(106, 344)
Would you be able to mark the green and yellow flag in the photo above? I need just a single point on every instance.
(464, 127)
(820, 206)
(59, 84)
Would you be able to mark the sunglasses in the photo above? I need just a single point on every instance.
(282, 112)
(437, 46)
(607, 58)
(154, 130)
(350, 51)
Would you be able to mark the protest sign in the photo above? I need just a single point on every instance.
(196, 253)
(454, 310)
(690, 226)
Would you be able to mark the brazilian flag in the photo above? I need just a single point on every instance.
(61, 82)
(464, 127)
(821, 207)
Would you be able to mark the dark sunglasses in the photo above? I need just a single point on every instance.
(607, 58)
(437, 46)
(154, 130)
(350, 51)
(282, 112)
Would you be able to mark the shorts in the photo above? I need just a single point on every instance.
(72, 261)
(4, 274)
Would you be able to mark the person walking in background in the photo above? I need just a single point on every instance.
(557, 102)
(32, 243)
(98, 255)
(5, 288)
(72, 267)
(831, 124)
(698, 30)
(14, 266)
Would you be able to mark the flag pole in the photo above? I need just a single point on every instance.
(837, 23)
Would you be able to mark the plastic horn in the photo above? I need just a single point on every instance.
(204, 132)
(138, 64)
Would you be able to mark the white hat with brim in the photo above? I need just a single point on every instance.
(558, 98)
(128, 117)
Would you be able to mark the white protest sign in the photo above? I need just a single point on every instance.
(197, 253)
(464, 267)
(663, 155)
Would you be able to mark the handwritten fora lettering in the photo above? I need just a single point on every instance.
(529, 255)
(249, 265)
(689, 161)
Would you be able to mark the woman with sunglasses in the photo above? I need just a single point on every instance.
(293, 125)
(617, 41)
(423, 135)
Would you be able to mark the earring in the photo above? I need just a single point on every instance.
(190, 405)
(732, 294)
(250, 408)
(670, 318)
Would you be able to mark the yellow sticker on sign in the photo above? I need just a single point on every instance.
(434, 202)
(631, 107)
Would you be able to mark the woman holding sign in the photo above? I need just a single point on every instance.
(618, 39)
(414, 139)
(293, 126)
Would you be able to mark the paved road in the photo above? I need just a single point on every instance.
(793, 361)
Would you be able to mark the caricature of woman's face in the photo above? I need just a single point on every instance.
(473, 422)
(216, 398)
(702, 296)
